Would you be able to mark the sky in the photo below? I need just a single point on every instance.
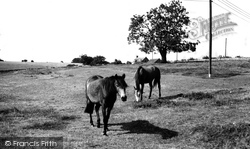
(60, 30)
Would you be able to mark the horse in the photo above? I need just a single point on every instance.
(103, 92)
(149, 74)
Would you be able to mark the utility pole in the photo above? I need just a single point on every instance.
(225, 47)
(210, 39)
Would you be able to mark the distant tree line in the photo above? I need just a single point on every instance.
(88, 60)
(97, 60)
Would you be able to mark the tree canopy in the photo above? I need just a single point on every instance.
(162, 29)
(88, 60)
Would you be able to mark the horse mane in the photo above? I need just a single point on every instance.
(108, 84)
(137, 76)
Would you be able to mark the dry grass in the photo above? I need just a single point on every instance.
(221, 69)
(223, 136)
(212, 132)
(194, 112)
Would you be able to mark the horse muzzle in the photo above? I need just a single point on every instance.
(124, 98)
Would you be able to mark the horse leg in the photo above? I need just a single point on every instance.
(104, 120)
(142, 86)
(159, 88)
(150, 92)
(91, 120)
(108, 114)
(97, 115)
(89, 109)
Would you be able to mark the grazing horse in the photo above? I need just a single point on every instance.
(149, 74)
(103, 92)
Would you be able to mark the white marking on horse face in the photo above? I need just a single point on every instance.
(122, 93)
(137, 95)
(121, 90)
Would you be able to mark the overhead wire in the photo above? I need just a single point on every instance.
(228, 6)
(197, 0)
(237, 8)
(232, 12)
(232, 7)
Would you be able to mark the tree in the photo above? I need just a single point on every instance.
(86, 60)
(99, 60)
(117, 62)
(162, 29)
(76, 60)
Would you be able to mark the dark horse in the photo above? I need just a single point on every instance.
(102, 92)
(149, 74)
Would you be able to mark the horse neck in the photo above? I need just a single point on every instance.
(108, 84)
(137, 78)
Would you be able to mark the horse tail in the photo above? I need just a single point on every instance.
(89, 107)
(157, 77)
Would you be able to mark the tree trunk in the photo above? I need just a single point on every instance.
(163, 56)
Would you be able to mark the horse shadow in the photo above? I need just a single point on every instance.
(145, 127)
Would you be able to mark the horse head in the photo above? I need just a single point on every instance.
(137, 94)
(121, 86)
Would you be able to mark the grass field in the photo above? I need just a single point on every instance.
(194, 111)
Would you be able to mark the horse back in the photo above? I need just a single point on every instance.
(149, 73)
(93, 88)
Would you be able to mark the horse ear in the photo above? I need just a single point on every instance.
(115, 75)
(134, 87)
(123, 76)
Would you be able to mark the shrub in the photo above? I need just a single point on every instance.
(98, 60)
(191, 59)
(76, 60)
(117, 62)
(128, 62)
(71, 65)
(88, 60)
(205, 57)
